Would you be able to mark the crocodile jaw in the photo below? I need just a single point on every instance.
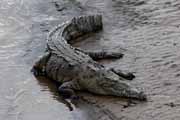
(39, 68)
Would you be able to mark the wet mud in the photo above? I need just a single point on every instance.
(146, 31)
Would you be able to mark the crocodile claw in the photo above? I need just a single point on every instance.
(130, 76)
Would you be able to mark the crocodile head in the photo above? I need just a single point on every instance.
(112, 84)
(39, 68)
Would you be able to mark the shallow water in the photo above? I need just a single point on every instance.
(23, 28)
(147, 32)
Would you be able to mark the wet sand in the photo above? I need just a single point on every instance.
(147, 32)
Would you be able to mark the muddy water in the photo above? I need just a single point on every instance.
(23, 28)
(146, 31)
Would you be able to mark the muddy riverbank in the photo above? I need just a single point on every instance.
(147, 32)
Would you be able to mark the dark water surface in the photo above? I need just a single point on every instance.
(148, 32)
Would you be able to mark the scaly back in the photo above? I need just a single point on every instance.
(59, 38)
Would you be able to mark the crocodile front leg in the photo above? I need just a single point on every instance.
(98, 55)
(67, 89)
(126, 75)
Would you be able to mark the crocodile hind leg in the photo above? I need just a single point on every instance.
(98, 55)
(67, 89)
(126, 75)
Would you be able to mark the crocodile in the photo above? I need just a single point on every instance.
(76, 69)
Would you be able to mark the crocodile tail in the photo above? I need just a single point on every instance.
(52, 42)
(70, 30)
(82, 25)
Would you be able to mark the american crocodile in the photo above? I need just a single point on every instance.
(76, 69)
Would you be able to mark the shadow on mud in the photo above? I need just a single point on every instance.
(45, 83)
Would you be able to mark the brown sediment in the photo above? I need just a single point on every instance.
(147, 31)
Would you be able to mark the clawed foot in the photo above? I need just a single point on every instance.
(126, 75)
(68, 93)
(129, 76)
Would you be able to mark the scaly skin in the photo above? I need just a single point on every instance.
(76, 69)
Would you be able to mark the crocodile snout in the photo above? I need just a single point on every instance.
(38, 71)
